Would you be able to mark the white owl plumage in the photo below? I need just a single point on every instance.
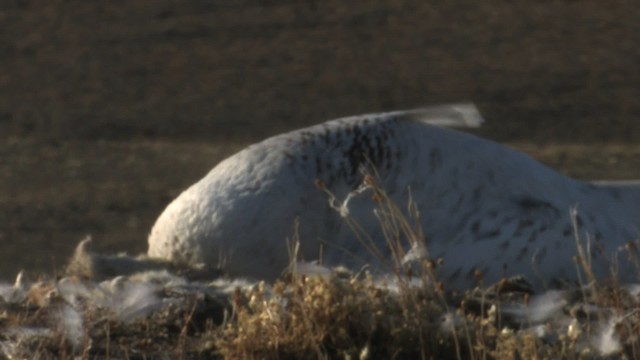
(483, 206)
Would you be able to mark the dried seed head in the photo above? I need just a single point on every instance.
(506, 331)
(369, 180)
(409, 272)
(501, 284)
(574, 331)
(430, 264)
(237, 298)
(630, 246)
(320, 184)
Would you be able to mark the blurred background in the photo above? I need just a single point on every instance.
(109, 109)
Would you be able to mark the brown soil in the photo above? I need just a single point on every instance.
(539, 70)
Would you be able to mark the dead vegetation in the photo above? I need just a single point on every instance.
(158, 315)
(319, 317)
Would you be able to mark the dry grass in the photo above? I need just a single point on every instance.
(332, 317)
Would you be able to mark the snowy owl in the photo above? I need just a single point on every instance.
(482, 207)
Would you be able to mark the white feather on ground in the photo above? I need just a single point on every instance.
(483, 206)
(68, 308)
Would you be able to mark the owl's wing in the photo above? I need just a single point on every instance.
(458, 115)
(449, 115)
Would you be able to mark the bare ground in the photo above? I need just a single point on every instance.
(555, 70)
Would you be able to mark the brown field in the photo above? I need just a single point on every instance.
(109, 109)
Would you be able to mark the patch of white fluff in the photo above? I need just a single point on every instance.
(71, 325)
(607, 342)
(541, 331)
(73, 291)
(417, 254)
(128, 300)
(15, 336)
(633, 289)
(450, 321)
(16, 292)
(540, 308)
(395, 285)
(7, 292)
(312, 268)
(227, 286)
(158, 277)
